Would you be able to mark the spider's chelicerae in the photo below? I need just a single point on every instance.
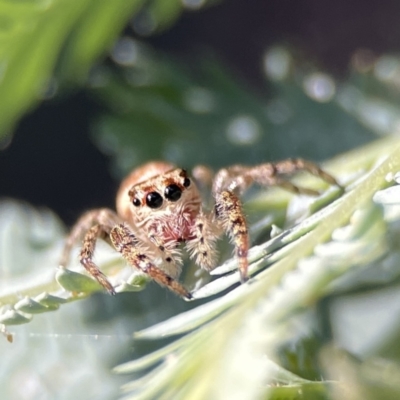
(160, 211)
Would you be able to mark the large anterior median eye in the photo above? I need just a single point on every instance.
(173, 192)
(154, 200)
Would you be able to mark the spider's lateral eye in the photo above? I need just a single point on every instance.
(173, 192)
(154, 200)
(186, 182)
(136, 202)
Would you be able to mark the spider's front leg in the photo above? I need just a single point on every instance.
(87, 251)
(133, 251)
(92, 226)
(228, 210)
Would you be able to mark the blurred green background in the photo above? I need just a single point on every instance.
(52, 160)
(90, 89)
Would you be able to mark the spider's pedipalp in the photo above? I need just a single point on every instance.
(202, 243)
(169, 252)
(131, 249)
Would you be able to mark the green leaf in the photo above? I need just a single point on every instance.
(12, 317)
(48, 44)
(49, 300)
(31, 306)
(76, 282)
(161, 109)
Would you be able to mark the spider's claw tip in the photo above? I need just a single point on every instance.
(111, 291)
(189, 296)
(244, 278)
(341, 188)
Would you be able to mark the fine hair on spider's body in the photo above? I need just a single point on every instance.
(160, 213)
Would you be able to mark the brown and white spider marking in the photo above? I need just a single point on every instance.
(160, 211)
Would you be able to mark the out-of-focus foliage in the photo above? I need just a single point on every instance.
(160, 108)
(36, 34)
(46, 44)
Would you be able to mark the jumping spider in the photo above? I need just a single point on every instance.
(159, 209)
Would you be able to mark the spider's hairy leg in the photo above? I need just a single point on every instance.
(86, 256)
(299, 164)
(102, 216)
(270, 174)
(202, 245)
(130, 247)
(290, 187)
(203, 175)
(228, 210)
(239, 178)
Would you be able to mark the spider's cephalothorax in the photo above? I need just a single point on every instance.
(164, 206)
(160, 214)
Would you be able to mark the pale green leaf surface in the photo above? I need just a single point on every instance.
(31, 243)
(46, 344)
(42, 235)
(313, 275)
(269, 305)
